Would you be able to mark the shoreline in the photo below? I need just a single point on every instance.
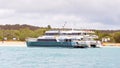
(23, 43)
(111, 44)
(13, 43)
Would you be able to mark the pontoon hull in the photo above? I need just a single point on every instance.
(50, 44)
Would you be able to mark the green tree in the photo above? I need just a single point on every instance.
(25, 33)
(49, 27)
(1, 34)
(39, 32)
(116, 37)
(103, 35)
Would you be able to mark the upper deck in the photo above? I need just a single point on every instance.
(70, 32)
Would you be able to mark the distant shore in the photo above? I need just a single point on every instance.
(23, 43)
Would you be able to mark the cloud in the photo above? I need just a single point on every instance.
(95, 14)
(6, 13)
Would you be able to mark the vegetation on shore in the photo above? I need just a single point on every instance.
(21, 32)
(114, 36)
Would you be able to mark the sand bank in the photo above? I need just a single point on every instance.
(111, 44)
(13, 43)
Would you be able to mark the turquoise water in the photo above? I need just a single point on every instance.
(23, 57)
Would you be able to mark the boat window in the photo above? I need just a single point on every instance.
(81, 38)
(79, 33)
(64, 33)
(52, 34)
(68, 40)
(84, 33)
(46, 40)
(75, 33)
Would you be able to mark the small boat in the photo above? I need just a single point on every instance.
(71, 38)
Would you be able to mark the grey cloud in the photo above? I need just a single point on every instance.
(102, 11)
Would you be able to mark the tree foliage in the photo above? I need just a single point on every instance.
(102, 35)
(21, 34)
(116, 37)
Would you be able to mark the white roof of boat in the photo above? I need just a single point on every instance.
(55, 31)
(69, 31)
(46, 37)
(60, 37)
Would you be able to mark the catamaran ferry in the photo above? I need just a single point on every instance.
(69, 38)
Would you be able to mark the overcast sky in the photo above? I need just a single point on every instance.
(81, 14)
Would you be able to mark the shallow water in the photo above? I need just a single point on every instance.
(23, 57)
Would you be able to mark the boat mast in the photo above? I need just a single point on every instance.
(62, 27)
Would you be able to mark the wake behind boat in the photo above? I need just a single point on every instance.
(71, 38)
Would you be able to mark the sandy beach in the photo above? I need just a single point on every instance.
(13, 43)
(111, 44)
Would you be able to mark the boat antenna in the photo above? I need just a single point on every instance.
(64, 24)
(62, 28)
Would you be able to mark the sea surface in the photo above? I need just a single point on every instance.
(45, 57)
